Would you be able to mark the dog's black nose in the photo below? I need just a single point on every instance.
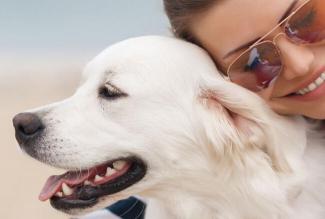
(27, 126)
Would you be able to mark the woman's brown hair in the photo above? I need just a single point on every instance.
(182, 12)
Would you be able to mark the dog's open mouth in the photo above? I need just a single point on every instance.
(81, 189)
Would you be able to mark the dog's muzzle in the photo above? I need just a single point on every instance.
(81, 188)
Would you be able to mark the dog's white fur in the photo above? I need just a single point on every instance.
(213, 149)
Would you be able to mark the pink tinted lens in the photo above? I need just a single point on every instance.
(308, 24)
(256, 68)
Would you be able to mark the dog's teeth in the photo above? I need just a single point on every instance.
(66, 189)
(87, 183)
(98, 178)
(59, 194)
(118, 165)
(110, 171)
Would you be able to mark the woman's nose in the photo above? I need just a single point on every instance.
(297, 59)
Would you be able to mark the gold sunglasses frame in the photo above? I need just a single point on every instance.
(262, 41)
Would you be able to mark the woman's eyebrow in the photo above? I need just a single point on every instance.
(284, 16)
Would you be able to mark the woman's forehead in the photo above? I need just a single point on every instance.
(232, 23)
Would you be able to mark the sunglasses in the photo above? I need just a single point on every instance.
(261, 63)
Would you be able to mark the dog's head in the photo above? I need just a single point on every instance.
(150, 112)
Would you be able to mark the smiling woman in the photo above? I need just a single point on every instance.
(274, 48)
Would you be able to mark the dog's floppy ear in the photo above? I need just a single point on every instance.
(254, 124)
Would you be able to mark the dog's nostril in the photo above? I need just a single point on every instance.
(29, 129)
(26, 125)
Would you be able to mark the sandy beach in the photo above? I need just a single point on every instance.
(23, 87)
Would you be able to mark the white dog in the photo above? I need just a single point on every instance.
(154, 118)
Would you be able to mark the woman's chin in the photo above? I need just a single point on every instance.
(292, 106)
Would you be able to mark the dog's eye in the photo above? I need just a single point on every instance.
(110, 92)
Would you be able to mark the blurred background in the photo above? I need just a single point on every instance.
(44, 45)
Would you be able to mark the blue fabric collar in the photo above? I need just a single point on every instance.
(131, 208)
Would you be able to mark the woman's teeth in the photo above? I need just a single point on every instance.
(318, 82)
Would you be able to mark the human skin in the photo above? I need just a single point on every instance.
(231, 23)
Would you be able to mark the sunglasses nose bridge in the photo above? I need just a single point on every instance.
(275, 38)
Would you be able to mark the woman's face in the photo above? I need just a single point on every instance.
(235, 25)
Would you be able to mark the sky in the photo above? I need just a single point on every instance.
(53, 36)
(76, 25)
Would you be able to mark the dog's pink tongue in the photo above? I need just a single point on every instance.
(53, 183)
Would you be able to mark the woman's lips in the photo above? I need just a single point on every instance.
(311, 80)
(313, 95)
(311, 89)
(312, 86)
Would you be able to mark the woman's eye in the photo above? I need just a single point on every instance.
(304, 21)
(110, 92)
